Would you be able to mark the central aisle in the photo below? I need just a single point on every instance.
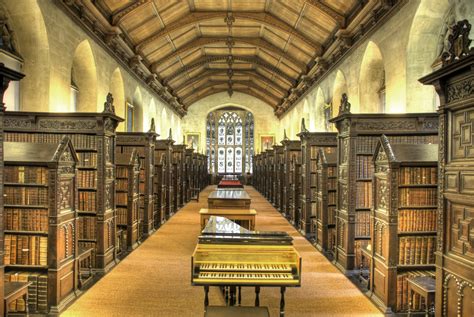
(154, 280)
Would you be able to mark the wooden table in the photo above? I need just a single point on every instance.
(425, 286)
(245, 217)
(237, 199)
(234, 311)
(14, 291)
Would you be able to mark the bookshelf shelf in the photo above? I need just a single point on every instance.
(399, 254)
(358, 135)
(31, 243)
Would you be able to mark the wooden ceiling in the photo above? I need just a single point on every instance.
(264, 48)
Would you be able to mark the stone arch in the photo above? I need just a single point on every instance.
(84, 77)
(118, 92)
(372, 80)
(137, 110)
(32, 43)
(424, 46)
(318, 113)
(339, 87)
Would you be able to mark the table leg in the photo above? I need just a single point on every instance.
(282, 301)
(240, 295)
(257, 293)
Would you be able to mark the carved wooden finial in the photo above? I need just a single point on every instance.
(458, 42)
(284, 135)
(170, 136)
(109, 104)
(152, 125)
(345, 106)
(303, 126)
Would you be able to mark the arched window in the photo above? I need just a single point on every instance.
(230, 141)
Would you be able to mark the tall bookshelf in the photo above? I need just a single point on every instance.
(403, 222)
(358, 135)
(270, 158)
(264, 174)
(257, 177)
(127, 200)
(6, 75)
(178, 175)
(278, 175)
(189, 170)
(295, 190)
(93, 137)
(310, 143)
(164, 157)
(455, 239)
(291, 149)
(159, 189)
(40, 221)
(144, 144)
(323, 211)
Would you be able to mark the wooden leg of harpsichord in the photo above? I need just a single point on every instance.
(206, 297)
(282, 302)
(240, 295)
(257, 294)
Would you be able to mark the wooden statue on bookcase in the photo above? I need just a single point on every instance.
(357, 137)
(93, 136)
(455, 217)
(144, 144)
(6, 75)
(41, 222)
(165, 146)
(311, 142)
(403, 222)
(291, 149)
(128, 200)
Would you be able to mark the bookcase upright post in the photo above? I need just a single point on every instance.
(93, 137)
(357, 137)
(144, 144)
(188, 174)
(455, 240)
(164, 154)
(178, 174)
(292, 154)
(278, 156)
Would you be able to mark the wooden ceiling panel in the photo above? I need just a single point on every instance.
(211, 5)
(277, 39)
(187, 35)
(212, 30)
(140, 14)
(196, 71)
(340, 6)
(288, 70)
(164, 5)
(297, 44)
(116, 5)
(159, 44)
(145, 29)
(216, 50)
(269, 58)
(248, 5)
(286, 11)
(247, 31)
(312, 31)
(325, 22)
(174, 12)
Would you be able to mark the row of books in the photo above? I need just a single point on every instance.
(30, 196)
(122, 216)
(80, 141)
(364, 195)
(87, 178)
(364, 166)
(332, 171)
(25, 175)
(121, 172)
(87, 159)
(26, 250)
(416, 250)
(87, 227)
(87, 201)
(26, 219)
(362, 224)
(331, 198)
(332, 183)
(121, 199)
(403, 297)
(37, 291)
(313, 150)
(313, 180)
(360, 260)
(367, 144)
(121, 184)
(410, 220)
(418, 175)
(417, 196)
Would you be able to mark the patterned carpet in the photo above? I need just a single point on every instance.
(154, 280)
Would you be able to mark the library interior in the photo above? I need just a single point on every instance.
(225, 158)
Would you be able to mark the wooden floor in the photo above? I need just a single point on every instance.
(154, 280)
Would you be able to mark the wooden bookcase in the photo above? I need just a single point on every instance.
(93, 137)
(455, 217)
(6, 75)
(257, 174)
(178, 175)
(295, 190)
(292, 153)
(189, 170)
(159, 189)
(278, 157)
(164, 161)
(144, 144)
(405, 190)
(127, 200)
(310, 143)
(40, 201)
(323, 210)
(357, 138)
(269, 158)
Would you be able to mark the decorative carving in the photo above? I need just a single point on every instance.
(344, 196)
(21, 123)
(108, 153)
(109, 104)
(382, 194)
(64, 125)
(303, 127)
(152, 126)
(345, 150)
(67, 170)
(441, 184)
(460, 90)
(458, 42)
(7, 36)
(108, 197)
(387, 125)
(65, 195)
(345, 106)
(462, 135)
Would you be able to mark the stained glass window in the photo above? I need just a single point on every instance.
(233, 143)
